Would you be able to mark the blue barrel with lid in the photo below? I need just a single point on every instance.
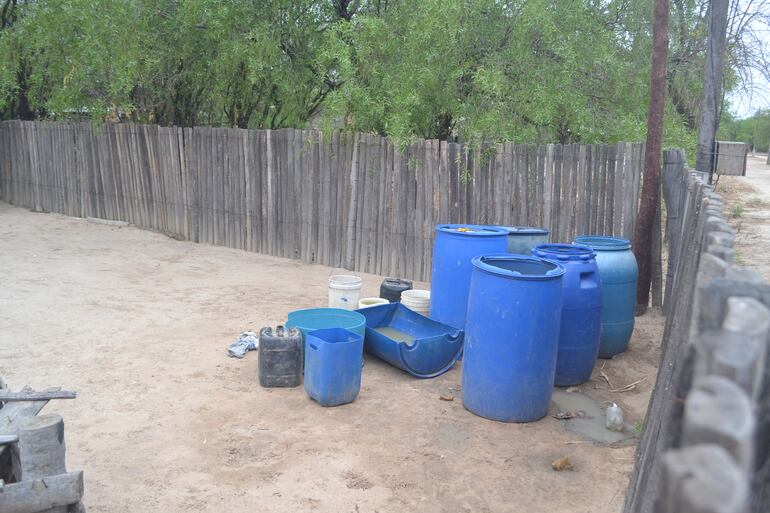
(511, 337)
(581, 313)
(618, 273)
(521, 239)
(454, 248)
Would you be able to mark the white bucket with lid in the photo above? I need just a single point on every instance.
(344, 291)
(372, 301)
(417, 300)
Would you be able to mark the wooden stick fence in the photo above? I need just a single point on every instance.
(705, 444)
(337, 199)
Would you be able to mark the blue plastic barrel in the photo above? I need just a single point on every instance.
(581, 313)
(333, 366)
(521, 239)
(511, 337)
(618, 273)
(453, 249)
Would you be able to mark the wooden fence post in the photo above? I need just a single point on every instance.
(41, 450)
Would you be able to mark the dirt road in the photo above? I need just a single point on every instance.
(748, 203)
(165, 422)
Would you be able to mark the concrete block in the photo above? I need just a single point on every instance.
(721, 239)
(747, 315)
(713, 195)
(739, 273)
(714, 209)
(723, 252)
(718, 412)
(718, 224)
(713, 296)
(702, 479)
(735, 356)
(711, 267)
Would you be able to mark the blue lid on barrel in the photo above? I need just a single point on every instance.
(565, 252)
(603, 242)
(525, 230)
(472, 230)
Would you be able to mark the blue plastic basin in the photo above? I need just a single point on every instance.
(405, 339)
(321, 318)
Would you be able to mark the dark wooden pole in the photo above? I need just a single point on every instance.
(712, 85)
(650, 188)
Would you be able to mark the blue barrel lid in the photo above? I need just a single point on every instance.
(603, 243)
(518, 267)
(471, 230)
(525, 230)
(564, 252)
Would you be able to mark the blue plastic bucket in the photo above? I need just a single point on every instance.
(333, 366)
(581, 314)
(454, 248)
(618, 273)
(511, 337)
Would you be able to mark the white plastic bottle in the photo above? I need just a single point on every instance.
(614, 418)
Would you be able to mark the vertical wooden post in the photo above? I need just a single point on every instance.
(41, 449)
(351, 219)
(656, 280)
(712, 85)
(651, 185)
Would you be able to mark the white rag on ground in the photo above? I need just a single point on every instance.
(246, 341)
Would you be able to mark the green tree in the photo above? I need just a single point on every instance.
(480, 69)
(525, 70)
(754, 131)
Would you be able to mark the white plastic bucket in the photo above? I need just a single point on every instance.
(344, 291)
(417, 300)
(372, 301)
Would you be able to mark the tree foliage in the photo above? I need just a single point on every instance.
(525, 70)
(754, 131)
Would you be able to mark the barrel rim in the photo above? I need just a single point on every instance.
(479, 262)
(296, 316)
(526, 230)
(563, 251)
(603, 242)
(345, 282)
(482, 230)
(416, 294)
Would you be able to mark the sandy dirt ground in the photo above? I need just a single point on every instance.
(748, 209)
(164, 421)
